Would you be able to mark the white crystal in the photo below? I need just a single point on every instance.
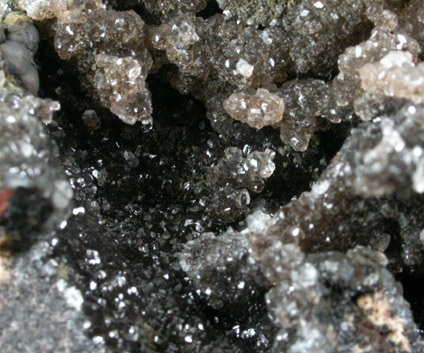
(244, 68)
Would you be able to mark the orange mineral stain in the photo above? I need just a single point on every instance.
(4, 200)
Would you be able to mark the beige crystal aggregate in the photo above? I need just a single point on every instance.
(395, 75)
(261, 109)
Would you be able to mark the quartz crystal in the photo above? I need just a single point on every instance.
(306, 102)
(307, 289)
(221, 269)
(36, 190)
(256, 11)
(212, 176)
(167, 8)
(240, 171)
(381, 42)
(113, 58)
(121, 86)
(259, 110)
(395, 75)
(234, 176)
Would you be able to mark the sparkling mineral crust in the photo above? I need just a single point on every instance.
(212, 176)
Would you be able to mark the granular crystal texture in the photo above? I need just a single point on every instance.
(353, 197)
(298, 108)
(296, 39)
(64, 10)
(411, 19)
(262, 189)
(382, 41)
(228, 204)
(234, 176)
(255, 11)
(242, 171)
(167, 8)
(320, 30)
(259, 110)
(395, 75)
(121, 86)
(239, 55)
(36, 195)
(222, 270)
(356, 285)
(182, 40)
(46, 311)
(306, 102)
(111, 54)
(247, 57)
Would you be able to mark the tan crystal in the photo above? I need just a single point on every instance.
(259, 110)
(120, 84)
(395, 75)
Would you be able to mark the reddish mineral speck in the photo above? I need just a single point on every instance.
(4, 200)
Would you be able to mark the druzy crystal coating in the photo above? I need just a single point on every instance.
(212, 176)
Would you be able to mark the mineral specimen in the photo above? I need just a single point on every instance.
(395, 75)
(381, 42)
(256, 11)
(121, 86)
(233, 175)
(167, 8)
(39, 193)
(221, 269)
(261, 191)
(306, 102)
(364, 294)
(262, 109)
(183, 45)
(112, 56)
(241, 171)
(40, 310)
